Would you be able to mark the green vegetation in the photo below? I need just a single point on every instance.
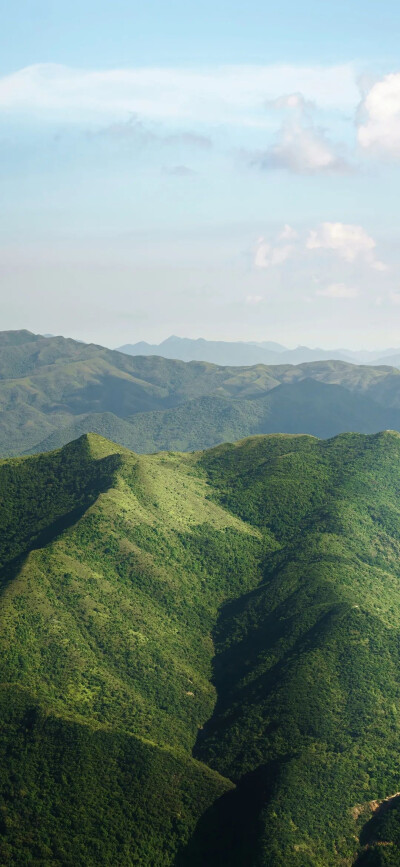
(75, 794)
(307, 665)
(381, 836)
(113, 570)
(199, 655)
(53, 390)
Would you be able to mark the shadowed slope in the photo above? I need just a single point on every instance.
(307, 665)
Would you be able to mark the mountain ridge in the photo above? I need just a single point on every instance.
(54, 389)
(205, 651)
(251, 352)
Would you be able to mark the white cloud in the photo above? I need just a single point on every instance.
(228, 94)
(303, 150)
(379, 130)
(301, 146)
(267, 255)
(338, 290)
(395, 297)
(350, 242)
(288, 233)
(262, 256)
(281, 254)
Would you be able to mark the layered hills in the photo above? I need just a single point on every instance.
(199, 654)
(53, 390)
(241, 352)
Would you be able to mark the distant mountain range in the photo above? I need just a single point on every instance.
(238, 353)
(53, 390)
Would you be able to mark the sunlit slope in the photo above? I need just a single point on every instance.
(114, 568)
(175, 625)
(123, 600)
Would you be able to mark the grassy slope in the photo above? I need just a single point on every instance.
(286, 550)
(53, 390)
(113, 571)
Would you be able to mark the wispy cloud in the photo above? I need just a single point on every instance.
(226, 94)
(338, 290)
(268, 254)
(254, 299)
(179, 171)
(134, 129)
(301, 146)
(191, 139)
(288, 233)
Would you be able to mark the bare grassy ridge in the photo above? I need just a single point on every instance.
(199, 653)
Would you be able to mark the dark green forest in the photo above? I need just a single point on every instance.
(200, 654)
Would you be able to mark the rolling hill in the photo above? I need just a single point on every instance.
(54, 389)
(199, 654)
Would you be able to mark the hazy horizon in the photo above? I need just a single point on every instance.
(200, 337)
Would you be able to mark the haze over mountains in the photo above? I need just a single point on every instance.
(53, 389)
(268, 352)
(199, 656)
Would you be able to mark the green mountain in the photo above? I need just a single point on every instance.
(307, 405)
(199, 654)
(53, 390)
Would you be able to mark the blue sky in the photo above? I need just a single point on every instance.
(128, 33)
(212, 169)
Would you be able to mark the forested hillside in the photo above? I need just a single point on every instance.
(199, 655)
(52, 390)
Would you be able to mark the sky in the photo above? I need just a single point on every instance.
(220, 170)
